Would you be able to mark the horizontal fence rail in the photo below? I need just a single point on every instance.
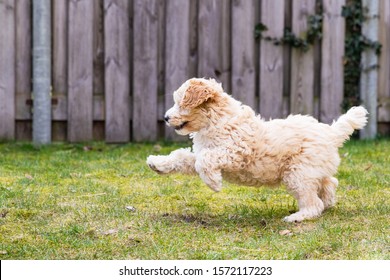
(115, 63)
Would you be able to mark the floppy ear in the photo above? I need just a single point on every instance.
(196, 94)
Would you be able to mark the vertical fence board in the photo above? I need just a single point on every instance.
(98, 108)
(161, 23)
(101, 92)
(209, 28)
(23, 130)
(162, 18)
(271, 60)
(98, 76)
(384, 62)
(214, 46)
(317, 79)
(244, 55)
(59, 65)
(60, 36)
(302, 70)
(225, 45)
(98, 47)
(287, 61)
(117, 88)
(193, 58)
(23, 59)
(60, 70)
(332, 84)
(131, 56)
(145, 68)
(7, 69)
(80, 71)
(177, 52)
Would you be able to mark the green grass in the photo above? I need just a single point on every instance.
(69, 202)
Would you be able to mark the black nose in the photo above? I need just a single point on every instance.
(166, 118)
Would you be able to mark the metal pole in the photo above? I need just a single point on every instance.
(41, 72)
(369, 74)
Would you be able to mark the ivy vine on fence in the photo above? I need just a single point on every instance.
(355, 43)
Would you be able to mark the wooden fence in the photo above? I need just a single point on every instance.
(115, 63)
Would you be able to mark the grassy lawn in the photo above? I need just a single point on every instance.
(102, 202)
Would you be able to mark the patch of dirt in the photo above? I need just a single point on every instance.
(187, 219)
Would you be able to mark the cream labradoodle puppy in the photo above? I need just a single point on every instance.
(231, 142)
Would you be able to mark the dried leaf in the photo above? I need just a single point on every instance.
(28, 176)
(350, 187)
(368, 167)
(110, 231)
(130, 208)
(3, 213)
(156, 148)
(285, 232)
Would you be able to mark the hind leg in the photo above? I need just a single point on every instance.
(327, 192)
(310, 206)
(306, 192)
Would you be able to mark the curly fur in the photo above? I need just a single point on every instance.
(231, 142)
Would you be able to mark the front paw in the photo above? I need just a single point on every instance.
(294, 218)
(158, 164)
(150, 161)
(154, 168)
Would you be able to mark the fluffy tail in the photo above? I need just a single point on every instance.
(355, 118)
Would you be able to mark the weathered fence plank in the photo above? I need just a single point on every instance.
(60, 70)
(271, 60)
(98, 108)
(60, 63)
(208, 32)
(117, 86)
(7, 70)
(332, 84)
(100, 91)
(145, 70)
(80, 71)
(193, 58)
(98, 79)
(244, 55)
(384, 62)
(98, 47)
(287, 61)
(23, 60)
(213, 47)
(302, 70)
(177, 52)
(161, 23)
(23, 70)
(225, 46)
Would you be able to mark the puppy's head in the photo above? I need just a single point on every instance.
(193, 101)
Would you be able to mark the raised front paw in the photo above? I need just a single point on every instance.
(159, 164)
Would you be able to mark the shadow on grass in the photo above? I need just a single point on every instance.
(240, 216)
